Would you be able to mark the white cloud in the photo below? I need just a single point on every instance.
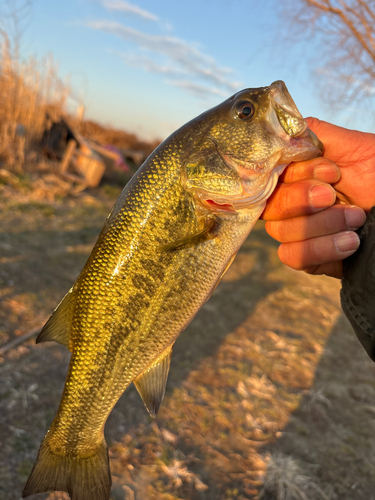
(196, 89)
(148, 64)
(122, 6)
(185, 58)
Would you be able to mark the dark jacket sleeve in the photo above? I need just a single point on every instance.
(358, 286)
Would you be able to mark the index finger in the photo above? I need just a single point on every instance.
(319, 168)
(297, 199)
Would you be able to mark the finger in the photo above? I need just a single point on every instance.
(317, 251)
(320, 168)
(333, 269)
(338, 142)
(333, 220)
(297, 199)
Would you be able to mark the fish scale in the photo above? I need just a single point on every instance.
(170, 237)
(120, 288)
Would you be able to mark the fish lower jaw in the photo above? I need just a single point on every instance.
(260, 198)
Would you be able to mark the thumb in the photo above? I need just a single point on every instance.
(337, 140)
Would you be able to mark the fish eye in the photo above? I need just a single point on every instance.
(245, 110)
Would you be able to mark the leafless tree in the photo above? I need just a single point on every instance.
(15, 16)
(343, 32)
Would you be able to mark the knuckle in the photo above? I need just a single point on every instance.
(322, 161)
(332, 220)
(293, 199)
(284, 233)
(286, 201)
(277, 230)
(313, 250)
(299, 171)
(291, 256)
(283, 254)
(313, 123)
(272, 229)
(326, 222)
(291, 173)
(312, 269)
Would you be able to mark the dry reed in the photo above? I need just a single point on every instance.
(27, 90)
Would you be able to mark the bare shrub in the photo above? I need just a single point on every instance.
(343, 34)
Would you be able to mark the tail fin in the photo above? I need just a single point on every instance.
(87, 478)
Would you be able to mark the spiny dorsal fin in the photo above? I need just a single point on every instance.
(152, 382)
(58, 326)
(207, 233)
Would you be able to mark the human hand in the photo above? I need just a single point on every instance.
(316, 238)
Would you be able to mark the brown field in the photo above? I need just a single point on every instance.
(269, 396)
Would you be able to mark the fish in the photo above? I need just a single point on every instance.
(170, 237)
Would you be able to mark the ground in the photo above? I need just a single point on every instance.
(269, 396)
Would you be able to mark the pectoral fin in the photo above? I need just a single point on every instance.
(206, 233)
(151, 383)
(58, 326)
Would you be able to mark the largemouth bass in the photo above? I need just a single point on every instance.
(170, 237)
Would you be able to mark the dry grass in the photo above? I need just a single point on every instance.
(27, 90)
(285, 480)
(266, 370)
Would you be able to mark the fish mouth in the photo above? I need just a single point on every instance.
(292, 124)
(296, 127)
(289, 118)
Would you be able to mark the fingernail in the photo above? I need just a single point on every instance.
(347, 242)
(322, 196)
(355, 217)
(327, 173)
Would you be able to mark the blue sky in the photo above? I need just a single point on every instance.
(149, 66)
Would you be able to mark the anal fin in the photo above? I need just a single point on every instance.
(58, 326)
(207, 233)
(152, 382)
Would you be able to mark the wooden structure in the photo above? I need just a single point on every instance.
(82, 160)
(88, 166)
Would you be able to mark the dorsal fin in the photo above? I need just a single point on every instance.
(58, 326)
(152, 382)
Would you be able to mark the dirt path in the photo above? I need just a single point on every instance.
(268, 380)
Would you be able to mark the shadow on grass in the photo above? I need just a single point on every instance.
(48, 274)
(268, 354)
(331, 432)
